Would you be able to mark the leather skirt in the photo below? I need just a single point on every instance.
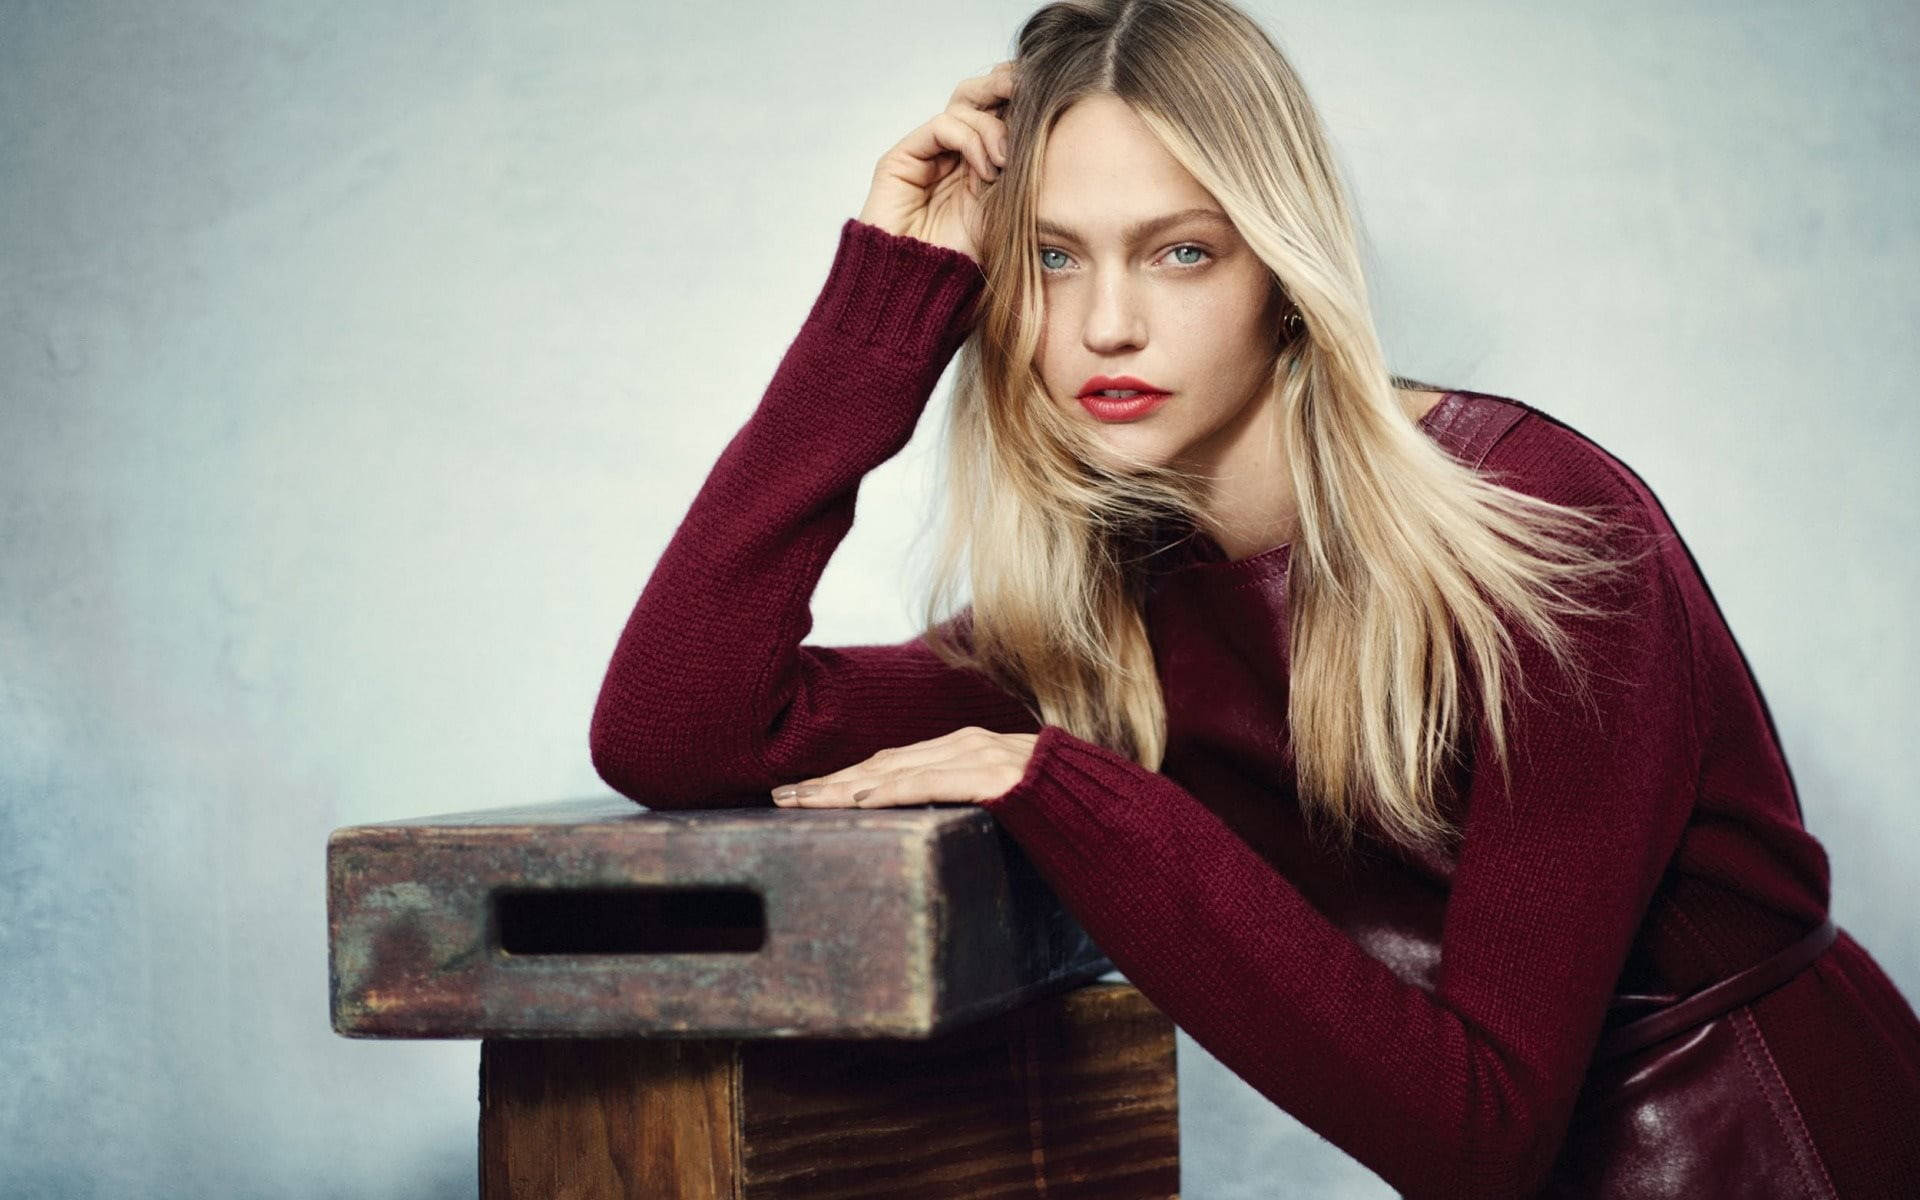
(1684, 1100)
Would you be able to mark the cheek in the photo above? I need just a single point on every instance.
(1229, 312)
(1047, 361)
(1237, 327)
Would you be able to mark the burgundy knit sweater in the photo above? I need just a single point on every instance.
(1649, 836)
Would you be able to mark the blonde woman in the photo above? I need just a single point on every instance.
(1386, 736)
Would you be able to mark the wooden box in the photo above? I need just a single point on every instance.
(755, 1002)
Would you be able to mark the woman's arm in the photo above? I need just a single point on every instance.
(1465, 1091)
(709, 692)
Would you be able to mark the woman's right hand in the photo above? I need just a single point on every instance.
(928, 186)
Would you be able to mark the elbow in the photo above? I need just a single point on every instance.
(661, 772)
(612, 759)
(619, 752)
(627, 773)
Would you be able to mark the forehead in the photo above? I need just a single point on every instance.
(1104, 173)
(1142, 227)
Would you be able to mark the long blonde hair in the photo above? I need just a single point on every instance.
(1405, 559)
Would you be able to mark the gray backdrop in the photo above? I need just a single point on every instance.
(357, 360)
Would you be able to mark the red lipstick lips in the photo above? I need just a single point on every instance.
(1144, 400)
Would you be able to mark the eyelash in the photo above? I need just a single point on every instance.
(1170, 249)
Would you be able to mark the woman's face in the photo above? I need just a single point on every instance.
(1186, 307)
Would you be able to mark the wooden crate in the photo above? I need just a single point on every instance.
(752, 1002)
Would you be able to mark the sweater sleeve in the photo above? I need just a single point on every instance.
(1467, 1090)
(710, 693)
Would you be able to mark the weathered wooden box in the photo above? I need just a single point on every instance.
(600, 918)
(756, 1004)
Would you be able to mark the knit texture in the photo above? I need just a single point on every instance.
(1648, 833)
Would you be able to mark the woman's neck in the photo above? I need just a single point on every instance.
(1254, 508)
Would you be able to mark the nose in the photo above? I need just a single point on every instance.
(1115, 319)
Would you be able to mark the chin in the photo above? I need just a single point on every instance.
(1131, 446)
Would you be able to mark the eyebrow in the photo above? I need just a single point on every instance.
(1139, 229)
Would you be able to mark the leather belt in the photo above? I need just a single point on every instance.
(1718, 998)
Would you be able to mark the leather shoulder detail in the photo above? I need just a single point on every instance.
(1469, 423)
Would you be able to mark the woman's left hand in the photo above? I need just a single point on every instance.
(963, 767)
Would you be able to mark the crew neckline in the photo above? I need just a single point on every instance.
(1205, 558)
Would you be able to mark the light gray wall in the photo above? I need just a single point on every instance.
(357, 360)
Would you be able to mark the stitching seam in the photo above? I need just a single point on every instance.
(1799, 1140)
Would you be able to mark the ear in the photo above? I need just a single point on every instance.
(1278, 305)
(1278, 302)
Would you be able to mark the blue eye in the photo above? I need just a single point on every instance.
(1201, 250)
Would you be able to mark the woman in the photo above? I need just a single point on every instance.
(1386, 737)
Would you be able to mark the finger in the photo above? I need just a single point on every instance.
(836, 790)
(877, 763)
(987, 90)
(968, 739)
(964, 784)
(929, 153)
(830, 797)
(954, 133)
(992, 131)
(969, 752)
(827, 790)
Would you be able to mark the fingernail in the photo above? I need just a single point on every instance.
(783, 793)
(863, 793)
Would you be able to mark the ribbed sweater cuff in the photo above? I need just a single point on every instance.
(1072, 792)
(908, 298)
